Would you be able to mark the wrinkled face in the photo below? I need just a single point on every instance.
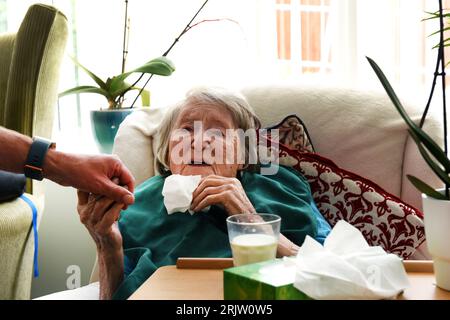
(203, 142)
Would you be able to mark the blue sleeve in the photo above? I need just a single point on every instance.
(323, 228)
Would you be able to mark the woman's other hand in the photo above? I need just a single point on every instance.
(228, 192)
(99, 215)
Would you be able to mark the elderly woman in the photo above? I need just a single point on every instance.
(146, 237)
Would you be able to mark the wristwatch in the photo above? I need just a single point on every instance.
(36, 156)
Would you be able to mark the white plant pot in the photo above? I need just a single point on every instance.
(437, 230)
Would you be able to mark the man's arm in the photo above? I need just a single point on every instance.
(13, 150)
(90, 173)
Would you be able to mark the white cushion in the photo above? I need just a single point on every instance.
(135, 142)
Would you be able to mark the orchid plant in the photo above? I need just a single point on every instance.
(114, 88)
(436, 158)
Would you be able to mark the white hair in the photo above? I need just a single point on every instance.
(241, 112)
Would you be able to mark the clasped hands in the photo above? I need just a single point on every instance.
(100, 214)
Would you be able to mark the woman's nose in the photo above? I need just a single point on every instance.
(200, 141)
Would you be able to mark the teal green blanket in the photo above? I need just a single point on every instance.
(152, 238)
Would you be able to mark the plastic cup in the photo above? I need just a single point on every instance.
(253, 237)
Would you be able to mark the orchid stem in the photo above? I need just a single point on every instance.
(170, 48)
(442, 74)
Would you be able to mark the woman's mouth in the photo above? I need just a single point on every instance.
(199, 164)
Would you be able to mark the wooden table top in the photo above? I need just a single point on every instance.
(189, 281)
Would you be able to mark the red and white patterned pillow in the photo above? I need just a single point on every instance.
(293, 134)
(382, 218)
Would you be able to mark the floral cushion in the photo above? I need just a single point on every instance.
(293, 134)
(382, 218)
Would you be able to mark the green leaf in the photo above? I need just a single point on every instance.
(436, 169)
(119, 87)
(108, 84)
(85, 89)
(97, 80)
(425, 139)
(160, 66)
(436, 32)
(445, 45)
(145, 96)
(429, 18)
(425, 188)
(436, 15)
(116, 86)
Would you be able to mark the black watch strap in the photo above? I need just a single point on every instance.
(36, 157)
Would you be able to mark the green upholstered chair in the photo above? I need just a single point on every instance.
(29, 73)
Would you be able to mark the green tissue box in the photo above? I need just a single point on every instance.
(268, 280)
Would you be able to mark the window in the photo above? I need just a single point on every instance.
(303, 35)
(312, 41)
(3, 19)
(331, 38)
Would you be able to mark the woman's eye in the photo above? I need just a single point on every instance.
(217, 133)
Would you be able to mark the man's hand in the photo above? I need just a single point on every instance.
(91, 173)
(87, 173)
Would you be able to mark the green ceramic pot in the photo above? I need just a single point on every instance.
(105, 124)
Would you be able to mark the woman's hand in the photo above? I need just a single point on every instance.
(228, 192)
(99, 215)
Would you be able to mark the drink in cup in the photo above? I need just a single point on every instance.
(253, 237)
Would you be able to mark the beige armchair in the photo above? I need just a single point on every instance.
(29, 73)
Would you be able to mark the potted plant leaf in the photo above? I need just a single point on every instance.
(436, 203)
(105, 122)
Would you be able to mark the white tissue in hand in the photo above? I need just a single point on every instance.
(177, 192)
(346, 267)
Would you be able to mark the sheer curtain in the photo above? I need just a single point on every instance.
(391, 32)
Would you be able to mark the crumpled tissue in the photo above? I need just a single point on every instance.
(346, 267)
(177, 192)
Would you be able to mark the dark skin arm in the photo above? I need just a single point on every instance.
(91, 173)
